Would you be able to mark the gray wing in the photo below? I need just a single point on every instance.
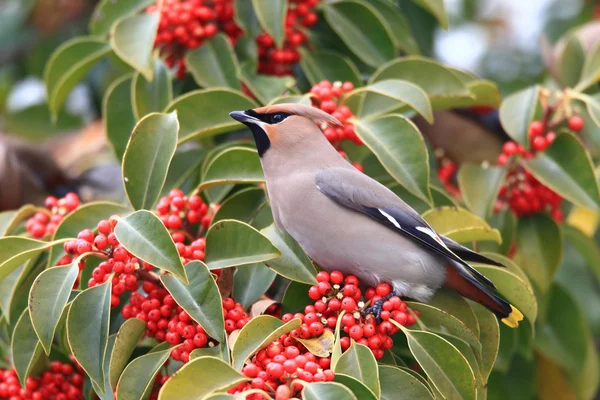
(358, 192)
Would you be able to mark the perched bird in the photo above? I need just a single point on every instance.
(346, 221)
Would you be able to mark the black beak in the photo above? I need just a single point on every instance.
(242, 117)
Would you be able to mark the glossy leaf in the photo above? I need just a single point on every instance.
(127, 338)
(347, 18)
(479, 187)
(327, 390)
(250, 282)
(132, 39)
(356, 386)
(397, 384)
(489, 338)
(200, 298)
(437, 9)
(144, 235)
(457, 306)
(10, 219)
(271, 15)
(243, 206)
(399, 146)
(460, 225)
(508, 263)
(233, 165)
(147, 158)
(138, 377)
(328, 65)
(214, 64)
(87, 336)
(566, 167)
(358, 361)
(25, 347)
(590, 73)
(14, 250)
(570, 62)
(68, 65)
(48, 298)
(107, 12)
(151, 96)
(258, 333)
(205, 113)
(119, 118)
(293, 263)
(517, 112)
(264, 87)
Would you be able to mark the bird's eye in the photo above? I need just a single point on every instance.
(277, 117)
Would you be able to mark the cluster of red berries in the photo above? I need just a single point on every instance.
(279, 368)
(45, 223)
(280, 61)
(178, 212)
(186, 24)
(446, 168)
(61, 382)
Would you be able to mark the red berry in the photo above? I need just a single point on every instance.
(323, 276)
(536, 129)
(540, 143)
(510, 148)
(576, 123)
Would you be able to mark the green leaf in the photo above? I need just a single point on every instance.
(437, 9)
(132, 39)
(14, 283)
(513, 288)
(479, 187)
(328, 65)
(88, 337)
(293, 263)
(200, 298)
(117, 110)
(298, 99)
(517, 112)
(348, 19)
(585, 246)
(400, 91)
(357, 387)
(48, 298)
(591, 69)
(489, 339)
(397, 384)
(138, 377)
(245, 16)
(507, 262)
(250, 282)
(399, 146)
(205, 113)
(214, 64)
(264, 87)
(151, 96)
(570, 62)
(107, 12)
(25, 347)
(233, 165)
(220, 351)
(457, 306)
(14, 250)
(145, 236)
(446, 367)
(566, 167)
(105, 392)
(295, 297)
(398, 26)
(10, 219)
(271, 15)
(460, 225)
(127, 338)
(68, 65)
(244, 205)
(327, 390)
(230, 243)
(147, 158)
(506, 222)
(593, 109)
(358, 361)
(184, 169)
(539, 248)
(256, 334)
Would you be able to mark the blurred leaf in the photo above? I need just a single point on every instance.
(397, 384)
(591, 69)
(205, 113)
(37, 123)
(506, 222)
(127, 338)
(200, 298)
(293, 263)
(460, 225)
(399, 146)
(47, 299)
(437, 9)
(593, 109)
(556, 384)
(586, 383)
(570, 62)
(539, 248)
(586, 246)
(358, 362)
(185, 164)
(214, 64)
(107, 12)
(250, 282)
(151, 96)
(400, 91)
(117, 110)
(232, 165)
(517, 112)
(566, 167)
(456, 305)
(321, 346)
(327, 390)
(489, 339)
(231, 243)
(328, 65)
(26, 349)
(144, 235)
(243, 205)
(14, 250)
(245, 16)
(271, 15)
(401, 34)
(295, 297)
(507, 348)
(304, 99)
(264, 87)
(258, 333)
(88, 337)
(479, 187)
(356, 386)
(348, 17)
(138, 377)
(10, 219)
(508, 263)
(68, 65)
(147, 158)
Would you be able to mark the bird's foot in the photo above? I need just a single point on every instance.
(377, 307)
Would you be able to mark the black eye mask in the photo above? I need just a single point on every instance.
(271, 118)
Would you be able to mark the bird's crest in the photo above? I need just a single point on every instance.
(317, 116)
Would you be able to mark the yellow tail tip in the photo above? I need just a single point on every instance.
(513, 318)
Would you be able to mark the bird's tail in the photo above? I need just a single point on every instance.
(470, 287)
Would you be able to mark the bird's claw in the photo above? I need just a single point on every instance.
(377, 307)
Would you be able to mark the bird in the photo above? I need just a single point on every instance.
(344, 220)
